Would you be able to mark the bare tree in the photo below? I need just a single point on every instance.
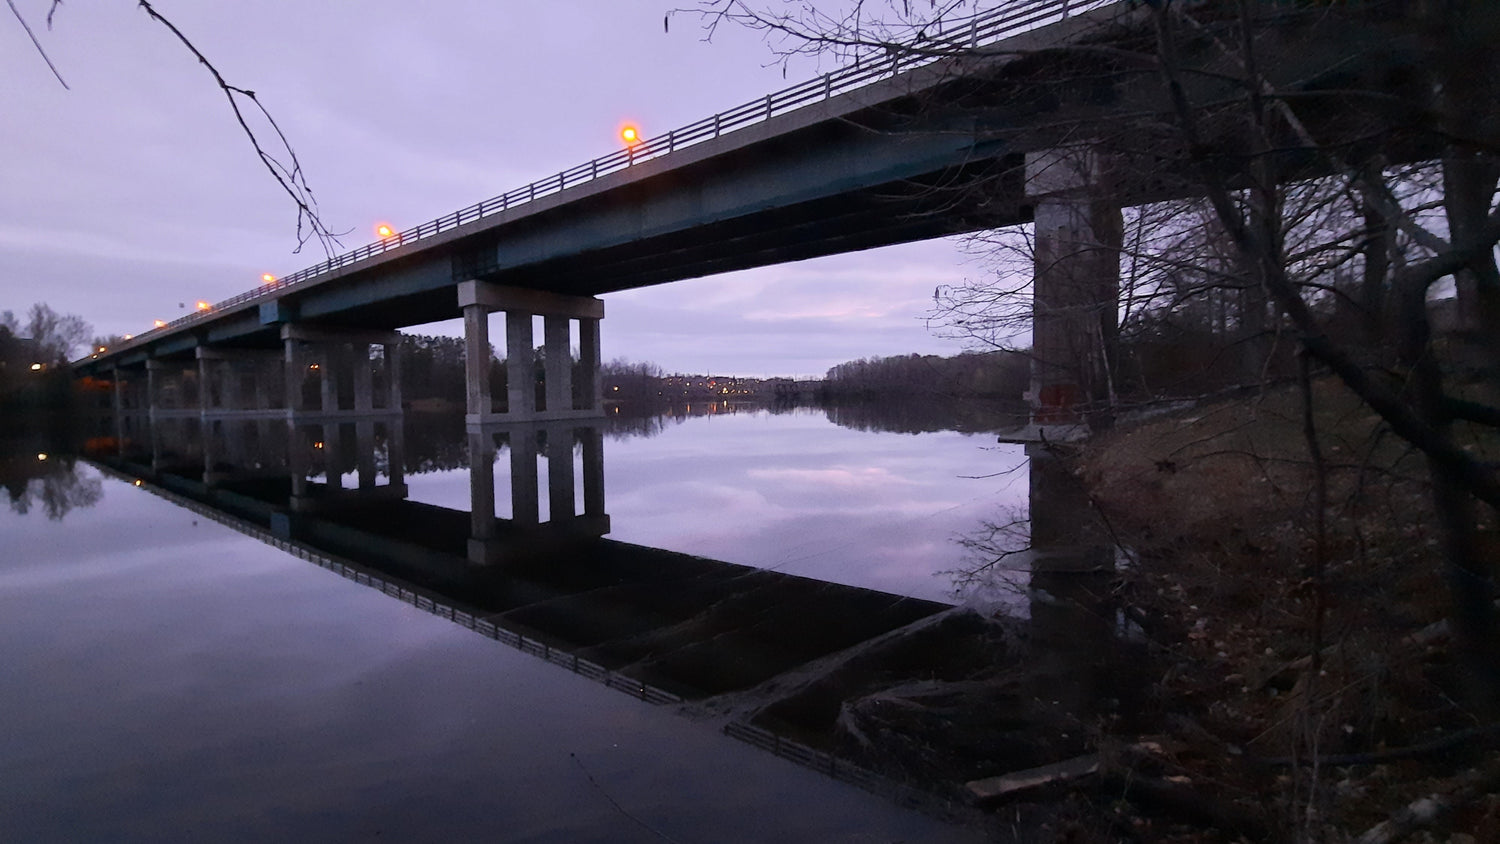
(57, 335)
(1299, 195)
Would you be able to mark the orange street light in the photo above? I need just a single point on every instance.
(36, 367)
(128, 337)
(385, 231)
(630, 135)
(268, 278)
(161, 323)
(101, 348)
(202, 305)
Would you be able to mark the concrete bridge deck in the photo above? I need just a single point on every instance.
(826, 167)
(1042, 122)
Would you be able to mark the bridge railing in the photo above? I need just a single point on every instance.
(1009, 20)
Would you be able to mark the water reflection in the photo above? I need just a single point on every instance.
(530, 555)
(33, 476)
(543, 573)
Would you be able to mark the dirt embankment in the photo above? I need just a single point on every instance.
(1307, 679)
(1246, 676)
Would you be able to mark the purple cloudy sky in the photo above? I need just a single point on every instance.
(134, 194)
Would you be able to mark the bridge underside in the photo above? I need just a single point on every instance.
(940, 150)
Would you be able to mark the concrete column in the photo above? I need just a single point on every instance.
(1075, 298)
(296, 375)
(477, 361)
(523, 479)
(593, 471)
(155, 426)
(298, 458)
(261, 378)
(560, 506)
(117, 404)
(210, 450)
(1072, 611)
(364, 378)
(557, 335)
(364, 439)
(592, 387)
(264, 455)
(205, 393)
(520, 363)
(333, 455)
(483, 548)
(395, 451)
(328, 377)
(153, 386)
(393, 374)
(482, 485)
(229, 390)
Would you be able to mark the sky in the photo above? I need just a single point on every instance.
(133, 194)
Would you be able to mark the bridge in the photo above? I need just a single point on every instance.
(663, 625)
(879, 153)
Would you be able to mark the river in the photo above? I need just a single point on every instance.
(168, 677)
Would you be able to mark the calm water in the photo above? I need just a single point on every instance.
(795, 493)
(167, 678)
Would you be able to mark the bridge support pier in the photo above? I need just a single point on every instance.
(562, 399)
(323, 444)
(222, 377)
(1076, 290)
(325, 351)
(497, 540)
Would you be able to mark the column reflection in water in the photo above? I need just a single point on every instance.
(494, 540)
(322, 451)
(1078, 658)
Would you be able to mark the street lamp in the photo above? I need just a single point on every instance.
(632, 138)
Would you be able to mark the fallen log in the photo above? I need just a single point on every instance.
(993, 788)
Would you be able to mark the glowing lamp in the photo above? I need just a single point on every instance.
(128, 337)
(41, 455)
(202, 305)
(36, 367)
(385, 231)
(101, 348)
(630, 135)
(267, 278)
(161, 323)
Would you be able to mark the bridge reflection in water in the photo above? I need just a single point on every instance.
(662, 625)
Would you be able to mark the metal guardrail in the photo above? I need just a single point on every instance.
(484, 627)
(1011, 20)
(824, 763)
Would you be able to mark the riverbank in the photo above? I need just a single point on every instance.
(1242, 677)
(1296, 666)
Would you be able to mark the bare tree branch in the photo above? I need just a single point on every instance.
(288, 174)
(35, 43)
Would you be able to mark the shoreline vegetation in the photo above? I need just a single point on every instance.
(1243, 677)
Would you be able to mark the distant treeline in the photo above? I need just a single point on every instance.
(1000, 375)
